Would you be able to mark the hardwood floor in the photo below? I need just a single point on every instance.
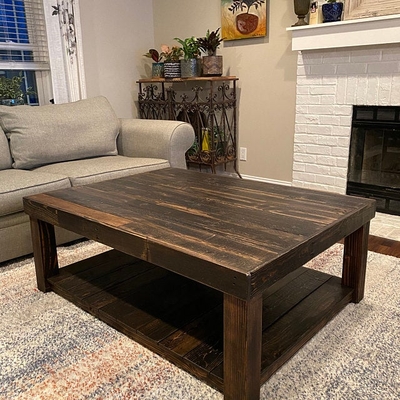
(384, 246)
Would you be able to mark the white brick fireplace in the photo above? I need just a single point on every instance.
(344, 64)
(329, 83)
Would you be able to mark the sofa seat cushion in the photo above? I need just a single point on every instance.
(5, 156)
(84, 172)
(15, 184)
(62, 132)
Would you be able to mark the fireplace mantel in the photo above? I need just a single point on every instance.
(352, 33)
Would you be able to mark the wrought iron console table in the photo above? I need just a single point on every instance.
(208, 103)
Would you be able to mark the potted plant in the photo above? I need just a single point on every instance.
(246, 22)
(157, 68)
(191, 52)
(332, 11)
(212, 64)
(172, 65)
(11, 93)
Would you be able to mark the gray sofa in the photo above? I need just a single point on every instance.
(57, 146)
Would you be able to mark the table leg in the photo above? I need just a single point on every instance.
(242, 348)
(355, 261)
(44, 252)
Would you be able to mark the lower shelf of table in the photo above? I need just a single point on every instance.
(182, 320)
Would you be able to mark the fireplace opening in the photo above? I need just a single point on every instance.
(374, 159)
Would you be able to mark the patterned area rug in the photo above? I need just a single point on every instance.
(50, 349)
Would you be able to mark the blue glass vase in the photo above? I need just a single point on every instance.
(332, 12)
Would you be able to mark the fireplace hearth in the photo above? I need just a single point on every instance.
(374, 158)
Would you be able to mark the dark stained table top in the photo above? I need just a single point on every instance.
(238, 236)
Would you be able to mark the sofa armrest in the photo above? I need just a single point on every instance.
(155, 139)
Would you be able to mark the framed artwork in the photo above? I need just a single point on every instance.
(354, 9)
(243, 19)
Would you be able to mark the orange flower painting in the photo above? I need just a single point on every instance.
(243, 19)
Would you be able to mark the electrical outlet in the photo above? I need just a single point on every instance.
(243, 154)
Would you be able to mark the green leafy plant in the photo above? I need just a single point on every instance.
(190, 47)
(171, 54)
(246, 4)
(210, 43)
(10, 88)
(154, 55)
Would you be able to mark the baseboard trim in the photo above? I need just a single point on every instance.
(267, 180)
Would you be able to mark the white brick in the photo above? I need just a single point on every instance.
(299, 167)
(329, 80)
(327, 140)
(395, 92)
(318, 169)
(351, 90)
(325, 89)
(345, 121)
(384, 94)
(322, 109)
(340, 151)
(303, 90)
(317, 186)
(341, 90)
(303, 70)
(301, 128)
(329, 120)
(336, 57)
(341, 183)
(308, 80)
(310, 58)
(373, 90)
(365, 55)
(343, 141)
(352, 69)
(325, 99)
(321, 150)
(319, 129)
(362, 88)
(306, 139)
(342, 130)
(391, 54)
(343, 110)
(326, 180)
(302, 176)
(327, 160)
(305, 158)
(339, 172)
(307, 119)
(306, 99)
(384, 67)
(342, 162)
(323, 69)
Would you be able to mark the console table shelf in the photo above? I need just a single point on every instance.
(207, 103)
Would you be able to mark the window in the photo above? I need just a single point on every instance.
(23, 44)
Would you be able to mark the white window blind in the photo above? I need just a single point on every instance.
(23, 39)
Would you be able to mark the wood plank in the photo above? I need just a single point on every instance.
(295, 328)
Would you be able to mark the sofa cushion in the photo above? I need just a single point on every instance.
(53, 133)
(15, 184)
(5, 156)
(83, 172)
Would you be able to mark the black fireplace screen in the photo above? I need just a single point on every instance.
(374, 160)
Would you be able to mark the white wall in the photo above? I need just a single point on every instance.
(266, 68)
(114, 34)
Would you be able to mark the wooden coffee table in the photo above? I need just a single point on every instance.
(205, 270)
